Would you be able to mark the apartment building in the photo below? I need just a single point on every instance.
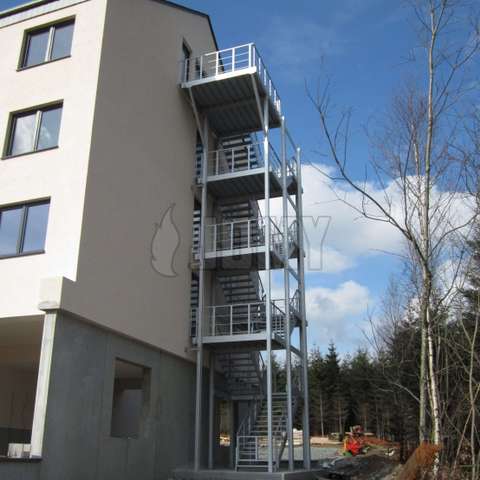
(128, 338)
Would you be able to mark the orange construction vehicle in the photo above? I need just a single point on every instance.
(354, 442)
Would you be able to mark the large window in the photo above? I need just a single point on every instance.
(47, 44)
(23, 228)
(34, 130)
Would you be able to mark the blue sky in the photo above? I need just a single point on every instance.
(362, 45)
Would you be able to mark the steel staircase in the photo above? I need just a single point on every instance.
(233, 96)
(243, 150)
(242, 287)
(194, 298)
(196, 231)
(253, 433)
(243, 372)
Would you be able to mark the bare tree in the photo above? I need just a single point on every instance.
(418, 181)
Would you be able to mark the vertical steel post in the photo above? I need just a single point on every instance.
(286, 283)
(233, 442)
(303, 331)
(201, 306)
(268, 299)
(211, 411)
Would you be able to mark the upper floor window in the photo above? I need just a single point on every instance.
(34, 130)
(186, 54)
(23, 228)
(47, 44)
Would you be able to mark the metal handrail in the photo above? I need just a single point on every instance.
(242, 319)
(275, 162)
(243, 233)
(276, 237)
(234, 159)
(248, 421)
(227, 61)
(242, 158)
(295, 301)
(293, 232)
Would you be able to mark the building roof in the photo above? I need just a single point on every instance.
(38, 3)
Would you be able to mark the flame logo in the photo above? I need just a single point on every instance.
(165, 243)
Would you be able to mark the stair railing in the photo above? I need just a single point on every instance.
(276, 236)
(235, 319)
(275, 162)
(244, 436)
(233, 159)
(242, 319)
(278, 320)
(259, 286)
(280, 437)
(295, 303)
(243, 233)
(293, 233)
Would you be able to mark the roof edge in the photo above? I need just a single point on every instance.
(195, 12)
(24, 7)
(39, 3)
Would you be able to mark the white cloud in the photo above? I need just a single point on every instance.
(338, 314)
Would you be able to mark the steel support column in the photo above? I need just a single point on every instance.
(201, 302)
(286, 284)
(303, 330)
(211, 410)
(268, 290)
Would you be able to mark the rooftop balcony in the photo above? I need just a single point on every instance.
(227, 86)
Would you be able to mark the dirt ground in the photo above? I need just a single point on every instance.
(379, 463)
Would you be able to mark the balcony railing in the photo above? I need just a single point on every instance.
(234, 235)
(241, 159)
(239, 234)
(241, 319)
(295, 302)
(222, 62)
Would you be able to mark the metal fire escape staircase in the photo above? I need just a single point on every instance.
(251, 449)
(232, 97)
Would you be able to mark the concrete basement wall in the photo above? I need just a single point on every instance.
(77, 443)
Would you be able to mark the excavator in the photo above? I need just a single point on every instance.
(354, 442)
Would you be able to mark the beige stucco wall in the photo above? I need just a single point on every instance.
(142, 162)
(58, 174)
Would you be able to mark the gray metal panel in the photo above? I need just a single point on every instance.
(230, 104)
(251, 184)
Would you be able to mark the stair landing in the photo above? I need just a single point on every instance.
(185, 474)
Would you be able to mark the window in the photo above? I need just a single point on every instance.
(23, 229)
(47, 44)
(34, 130)
(186, 61)
(130, 399)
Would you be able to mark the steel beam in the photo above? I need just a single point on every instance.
(211, 410)
(286, 284)
(267, 286)
(303, 329)
(201, 306)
